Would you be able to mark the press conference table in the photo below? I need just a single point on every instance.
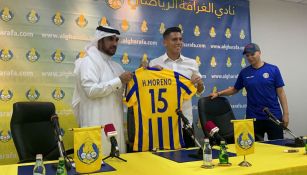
(267, 160)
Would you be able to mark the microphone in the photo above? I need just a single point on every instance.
(273, 118)
(110, 132)
(213, 130)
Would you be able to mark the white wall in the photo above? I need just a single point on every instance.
(280, 29)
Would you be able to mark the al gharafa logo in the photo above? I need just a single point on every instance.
(245, 140)
(33, 16)
(32, 94)
(6, 14)
(32, 55)
(58, 94)
(58, 56)
(5, 136)
(58, 19)
(115, 4)
(6, 54)
(6, 95)
(88, 152)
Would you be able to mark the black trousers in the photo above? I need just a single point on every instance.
(189, 142)
(267, 126)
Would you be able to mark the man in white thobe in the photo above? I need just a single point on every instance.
(97, 99)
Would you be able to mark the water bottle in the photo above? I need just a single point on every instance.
(61, 169)
(223, 155)
(39, 168)
(207, 155)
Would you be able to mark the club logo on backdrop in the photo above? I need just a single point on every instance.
(144, 27)
(162, 28)
(266, 75)
(6, 14)
(145, 58)
(6, 54)
(228, 33)
(244, 92)
(58, 56)
(125, 25)
(58, 19)
(88, 152)
(81, 54)
(5, 136)
(6, 95)
(213, 62)
(242, 34)
(212, 32)
(58, 94)
(243, 62)
(125, 59)
(181, 28)
(103, 21)
(196, 31)
(32, 55)
(197, 59)
(115, 4)
(33, 16)
(32, 94)
(245, 140)
(81, 21)
(228, 63)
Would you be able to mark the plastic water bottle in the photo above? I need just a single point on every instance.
(39, 168)
(223, 155)
(61, 169)
(207, 155)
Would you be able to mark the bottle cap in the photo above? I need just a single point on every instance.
(206, 140)
(39, 156)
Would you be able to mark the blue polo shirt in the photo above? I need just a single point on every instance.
(261, 85)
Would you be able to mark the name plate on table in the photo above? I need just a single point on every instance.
(51, 169)
(182, 156)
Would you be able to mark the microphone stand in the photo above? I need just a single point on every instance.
(114, 153)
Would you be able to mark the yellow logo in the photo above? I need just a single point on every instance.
(58, 94)
(5, 137)
(115, 4)
(213, 62)
(212, 32)
(243, 63)
(88, 152)
(228, 64)
(214, 90)
(33, 16)
(81, 54)
(58, 56)
(32, 55)
(103, 22)
(244, 92)
(81, 21)
(125, 59)
(58, 19)
(6, 95)
(228, 33)
(144, 27)
(162, 28)
(32, 94)
(125, 25)
(145, 58)
(6, 54)
(196, 31)
(180, 26)
(242, 34)
(6, 14)
(197, 59)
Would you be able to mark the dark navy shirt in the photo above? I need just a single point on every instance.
(261, 85)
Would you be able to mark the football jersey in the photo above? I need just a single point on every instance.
(155, 95)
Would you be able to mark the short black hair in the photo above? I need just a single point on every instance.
(170, 30)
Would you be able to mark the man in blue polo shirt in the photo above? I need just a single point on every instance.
(264, 86)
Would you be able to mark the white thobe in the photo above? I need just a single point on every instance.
(97, 99)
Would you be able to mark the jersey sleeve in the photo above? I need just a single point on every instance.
(130, 95)
(279, 82)
(187, 87)
(239, 83)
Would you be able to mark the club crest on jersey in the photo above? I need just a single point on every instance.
(88, 152)
(32, 55)
(6, 95)
(266, 75)
(6, 14)
(6, 54)
(33, 16)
